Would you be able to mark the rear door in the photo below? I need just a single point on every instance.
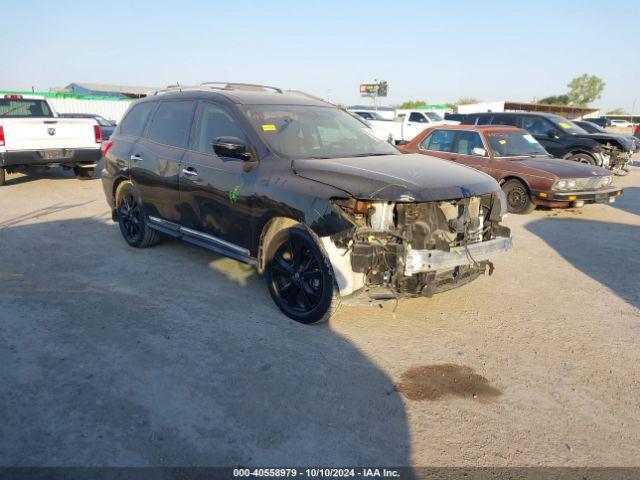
(439, 143)
(155, 163)
(216, 191)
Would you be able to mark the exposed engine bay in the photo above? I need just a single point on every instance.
(614, 157)
(421, 248)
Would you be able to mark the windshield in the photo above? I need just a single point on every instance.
(17, 108)
(514, 143)
(301, 131)
(567, 126)
(592, 127)
(433, 116)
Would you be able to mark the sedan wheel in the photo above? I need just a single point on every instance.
(518, 197)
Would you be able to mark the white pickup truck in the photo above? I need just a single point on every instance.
(407, 125)
(33, 136)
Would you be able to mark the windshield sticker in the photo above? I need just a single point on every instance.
(497, 135)
(269, 127)
(529, 138)
(565, 125)
(502, 142)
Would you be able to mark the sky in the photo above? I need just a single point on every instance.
(426, 50)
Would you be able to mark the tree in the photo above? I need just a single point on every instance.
(411, 104)
(467, 100)
(584, 90)
(555, 100)
(617, 111)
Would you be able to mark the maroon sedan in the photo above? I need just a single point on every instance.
(529, 176)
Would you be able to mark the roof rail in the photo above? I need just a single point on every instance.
(239, 86)
(215, 86)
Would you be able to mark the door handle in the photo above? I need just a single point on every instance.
(190, 171)
(135, 158)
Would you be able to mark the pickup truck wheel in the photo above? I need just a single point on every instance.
(132, 220)
(3, 177)
(582, 158)
(83, 173)
(300, 278)
(518, 197)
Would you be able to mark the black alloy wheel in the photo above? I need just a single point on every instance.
(518, 197)
(299, 277)
(131, 218)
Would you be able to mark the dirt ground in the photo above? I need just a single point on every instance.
(175, 356)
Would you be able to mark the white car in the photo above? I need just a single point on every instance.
(407, 125)
(621, 123)
(33, 136)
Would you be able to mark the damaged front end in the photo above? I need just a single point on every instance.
(400, 249)
(613, 157)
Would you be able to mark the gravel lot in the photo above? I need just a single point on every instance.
(176, 356)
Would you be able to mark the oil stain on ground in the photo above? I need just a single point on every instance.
(432, 382)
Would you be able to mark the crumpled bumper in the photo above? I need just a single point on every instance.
(417, 261)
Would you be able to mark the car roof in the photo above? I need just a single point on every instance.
(478, 128)
(242, 97)
(537, 114)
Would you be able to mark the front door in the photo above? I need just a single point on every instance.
(215, 191)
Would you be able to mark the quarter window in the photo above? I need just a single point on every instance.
(214, 123)
(136, 120)
(171, 123)
(467, 141)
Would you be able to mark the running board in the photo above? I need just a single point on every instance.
(203, 240)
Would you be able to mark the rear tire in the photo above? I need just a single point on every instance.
(3, 177)
(132, 220)
(83, 173)
(518, 197)
(300, 278)
(582, 158)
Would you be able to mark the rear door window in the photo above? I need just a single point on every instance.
(441, 141)
(511, 120)
(417, 117)
(215, 122)
(171, 123)
(136, 120)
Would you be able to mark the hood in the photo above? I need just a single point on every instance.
(409, 177)
(564, 168)
(607, 137)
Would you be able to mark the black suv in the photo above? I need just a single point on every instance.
(303, 191)
(564, 139)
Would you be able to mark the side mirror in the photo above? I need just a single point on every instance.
(231, 147)
(553, 133)
(479, 151)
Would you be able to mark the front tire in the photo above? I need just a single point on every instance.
(582, 158)
(133, 223)
(518, 197)
(300, 278)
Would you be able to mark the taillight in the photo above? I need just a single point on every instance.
(105, 147)
(637, 129)
(1, 136)
(97, 133)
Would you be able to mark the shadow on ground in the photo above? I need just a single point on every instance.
(172, 356)
(617, 267)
